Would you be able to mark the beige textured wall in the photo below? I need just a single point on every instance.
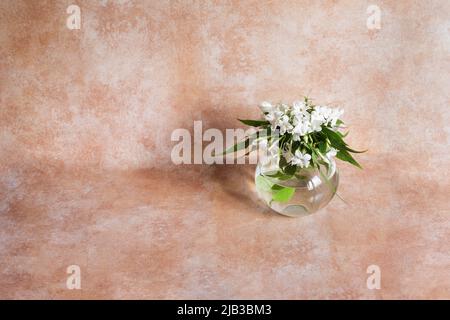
(108, 96)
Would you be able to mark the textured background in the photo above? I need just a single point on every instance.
(85, 171)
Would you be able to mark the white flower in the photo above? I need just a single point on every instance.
(329, 115)
(278, 118)
(270, 157)
(284, 107)
(301, 159)
(266, 106)
(322, 115)
(300, 117)
(274, 115)
(284, 124)
(300, 130)
(317, 120)
(331, 153)
(324, 111)
(299, 107)
(335, 114)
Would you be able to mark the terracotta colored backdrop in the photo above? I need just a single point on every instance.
(86, 177)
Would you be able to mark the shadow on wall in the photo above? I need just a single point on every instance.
(235, 180)
(237, 183)
(220, 117)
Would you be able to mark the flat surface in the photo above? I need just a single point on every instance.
(86, 177)
(199, 232)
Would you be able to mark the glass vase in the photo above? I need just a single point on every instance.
(305, 193)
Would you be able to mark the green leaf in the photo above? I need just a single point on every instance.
(355, 151)
(238, 146)
(284, 194)
(314, 157)
(262, 183)
(337, 141)
(279, 175)
(335, 138)
(345, 156)
(275, 175)
(295, 146)
(277, 187)
(244, 144)
(283, 162)
(343, 135)
(323, 147)
(290, 170)
(254, 123)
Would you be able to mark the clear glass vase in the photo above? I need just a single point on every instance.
(306, 192)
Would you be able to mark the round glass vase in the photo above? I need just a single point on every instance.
(305, 193)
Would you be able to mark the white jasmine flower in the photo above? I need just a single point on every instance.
(317, 120)
(274, 115)
(270, 157)
(331, 153)
(329, 115)
(266, 106)
(284, 125)
(284, 107)
(335, 114)
(322, 115)
(300, 117)
(299, 108)
(329, 158)
(301, 159)
(294, 122)
(324, 111)
(270, 116)
(300, 130)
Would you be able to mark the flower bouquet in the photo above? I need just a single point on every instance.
(297, 144)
